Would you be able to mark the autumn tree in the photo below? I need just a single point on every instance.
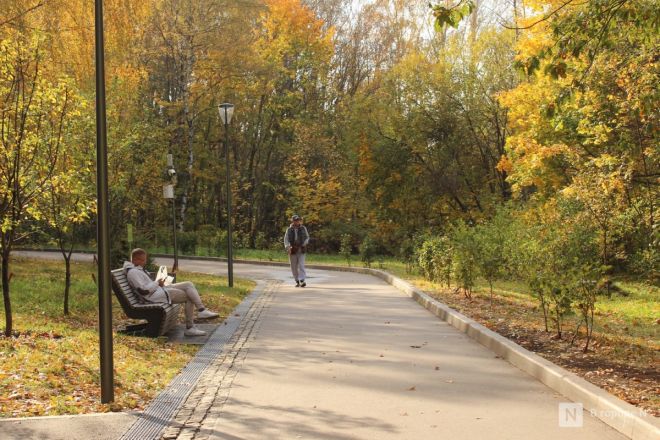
(36, 110)
(68, 200)
(584, 123)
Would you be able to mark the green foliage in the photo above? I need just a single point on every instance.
(492, 238)
(218, 243)
(435, 259)
(558, 259)
(346, 248)
(646, 262)
(119, 252)
(186, 242)
(408, 252)
(465, 257)
(451, 16)
(368, 250)
(204, 236)
(261, 241)
(585, 291)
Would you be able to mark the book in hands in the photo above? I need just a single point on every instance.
(163, 275)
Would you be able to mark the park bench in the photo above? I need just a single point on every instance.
(160, 317)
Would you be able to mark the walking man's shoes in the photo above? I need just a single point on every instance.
(297, 283)
(303, 283)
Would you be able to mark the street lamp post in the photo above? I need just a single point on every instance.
(168, 193)
(103, 223)
(226, 112)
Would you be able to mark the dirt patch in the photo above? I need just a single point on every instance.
(625, 367)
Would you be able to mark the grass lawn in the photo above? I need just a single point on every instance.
(51, 366)
(281, 256)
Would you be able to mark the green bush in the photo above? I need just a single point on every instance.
(492, 239)
(204, 236)
(646, 262)
(434, 258)
(261, 241)
(346, 247)
(119, 253)
(163, 238)
(465, 257)
(368, 251)
(559, 260)
(218, 243)
(186, 242)
(276, 244)
(407, 253)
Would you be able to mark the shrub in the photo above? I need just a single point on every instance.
(218, 243)
(346, 247)
(277, 244)
(204, 236)
(368, 250)
(260, 241)
(646, 262)
(186, 242)
(557, 258)
(407, 253)
(119, 253)
(492, 240)
(466, 252)
(435, 259)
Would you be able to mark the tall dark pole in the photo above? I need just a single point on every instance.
(171, 172)
(230, 263)
(175, 268)
(103, 230)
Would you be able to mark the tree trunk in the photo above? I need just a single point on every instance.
(545, 313)
(590, 328)
(515, 18)
(67, 282)
(474, 22)
(5, 286)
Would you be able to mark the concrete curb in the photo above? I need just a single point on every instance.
(620, 415)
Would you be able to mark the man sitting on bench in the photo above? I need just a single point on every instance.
(157, 292)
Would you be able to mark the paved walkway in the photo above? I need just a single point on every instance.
(351, 357)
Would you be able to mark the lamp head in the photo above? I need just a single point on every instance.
(226, 112)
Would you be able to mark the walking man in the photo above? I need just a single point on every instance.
(295, 242)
